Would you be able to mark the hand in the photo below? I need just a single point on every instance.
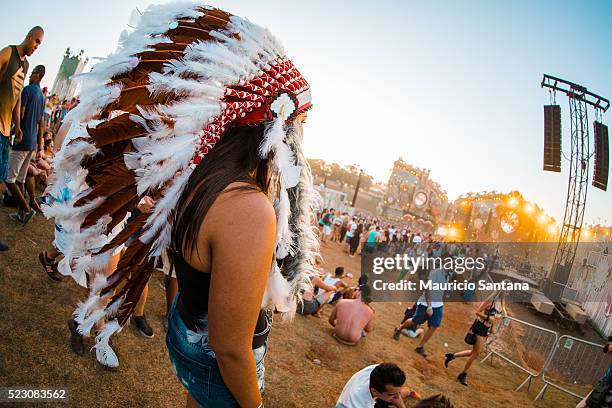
(397, 401)
(429, 311)
(18, 135)
(415, 395)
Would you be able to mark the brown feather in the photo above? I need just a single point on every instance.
(130, 258)
(134, 226)
(134, 291)
(115, 178)
(117, 206)
(174, 46)
(117, 129)
(130, 263)
(108, 153)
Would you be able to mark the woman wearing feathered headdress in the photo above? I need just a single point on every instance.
(201, 111)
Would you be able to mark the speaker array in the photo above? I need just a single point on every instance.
(602, 156)
(552, 138)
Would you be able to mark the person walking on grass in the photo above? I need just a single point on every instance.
(29, 145)
(430, 307)
(479, 331)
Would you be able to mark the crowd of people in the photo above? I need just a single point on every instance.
(353, 313)
(364, 232)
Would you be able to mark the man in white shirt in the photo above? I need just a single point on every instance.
(382, 382)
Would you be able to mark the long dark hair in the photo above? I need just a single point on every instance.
(234, 158)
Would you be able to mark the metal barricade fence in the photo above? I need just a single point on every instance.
(524, 345)
(574, 366)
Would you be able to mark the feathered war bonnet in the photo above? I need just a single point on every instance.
(149, 114)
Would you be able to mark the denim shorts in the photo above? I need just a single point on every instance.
(420, 316)
(4, 157)
(196, 367)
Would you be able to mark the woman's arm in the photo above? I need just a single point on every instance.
(241, 235)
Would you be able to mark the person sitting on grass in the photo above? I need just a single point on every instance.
(336, 280)
(312, 304)
(353, 318)
(411, 331)
(378, 385)
(43, 164)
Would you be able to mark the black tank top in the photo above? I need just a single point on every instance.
(193, 286)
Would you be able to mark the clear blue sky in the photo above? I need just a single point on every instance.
(450, 85)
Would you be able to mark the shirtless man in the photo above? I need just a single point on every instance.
(353, 318)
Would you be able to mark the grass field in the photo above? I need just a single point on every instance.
(34, 349)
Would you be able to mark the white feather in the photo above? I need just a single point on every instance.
(89, 321)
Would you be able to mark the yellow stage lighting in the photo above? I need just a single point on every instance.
(513, 202)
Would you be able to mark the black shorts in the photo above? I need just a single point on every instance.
(480, 329)
(308, 307)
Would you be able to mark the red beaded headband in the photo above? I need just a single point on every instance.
(278, 91)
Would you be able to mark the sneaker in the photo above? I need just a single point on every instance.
(76, 339)
(28, 216)
(410, 333)
(142, 326)
(421, 351)
(396, 334)
(17, 218)
(449, 357)
(462, 378)
(50, 267)
(3, 246)
(22, 220)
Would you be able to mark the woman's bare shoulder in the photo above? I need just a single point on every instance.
(239, 207)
